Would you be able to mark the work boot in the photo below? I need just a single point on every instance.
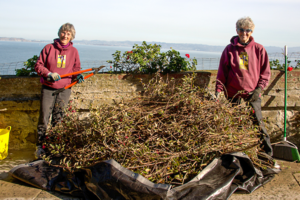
(39, 152)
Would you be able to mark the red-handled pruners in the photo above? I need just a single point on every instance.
(96, 70)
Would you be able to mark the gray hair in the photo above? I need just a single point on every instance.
(67, 27)
(245, 22)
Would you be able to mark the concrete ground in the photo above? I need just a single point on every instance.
(11, 188)
(285, 185)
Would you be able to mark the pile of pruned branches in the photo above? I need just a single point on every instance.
(168, 134)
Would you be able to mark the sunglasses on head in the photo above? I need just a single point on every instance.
(245, 30)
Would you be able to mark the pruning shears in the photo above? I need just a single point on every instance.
(95, 71)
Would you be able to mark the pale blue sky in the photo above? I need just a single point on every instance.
(189, 21)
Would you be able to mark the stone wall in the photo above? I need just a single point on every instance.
(273, 106)
(20, 96)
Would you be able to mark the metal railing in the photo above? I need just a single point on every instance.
(203, 64)
(208, 63)
(10, 68)
(293, 57)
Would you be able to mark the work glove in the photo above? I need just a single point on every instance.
(54, 76)
(217, 95)
(255, 94)
(80, 78)
(214, 96)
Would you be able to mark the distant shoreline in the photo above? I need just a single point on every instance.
(177, 46)
(7, 39)
(164, 45)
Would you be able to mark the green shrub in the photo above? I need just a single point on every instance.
(28, 69)
(275, 64)
(297, 64)
(148, 59)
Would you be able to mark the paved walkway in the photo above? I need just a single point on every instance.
(285, 185)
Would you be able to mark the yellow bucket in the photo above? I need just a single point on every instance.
(4, 139)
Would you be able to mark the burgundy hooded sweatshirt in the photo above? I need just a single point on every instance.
(243, 68)
(55, 58)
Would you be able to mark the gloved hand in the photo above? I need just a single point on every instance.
(54, 76)
(255, 94)
(80, 78)
(217, 95)
(214, 96)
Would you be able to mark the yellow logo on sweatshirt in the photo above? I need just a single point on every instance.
(244, 60)
(61, 61)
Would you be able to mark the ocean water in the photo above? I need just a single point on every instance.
(12, 52)
(21, 51)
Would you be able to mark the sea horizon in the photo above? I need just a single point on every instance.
(12, 51)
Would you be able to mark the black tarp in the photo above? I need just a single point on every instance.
(109, 180)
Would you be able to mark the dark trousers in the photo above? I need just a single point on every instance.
(256, 105)
(51, 105)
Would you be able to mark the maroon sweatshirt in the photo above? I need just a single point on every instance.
(243, 68)
(54, 58)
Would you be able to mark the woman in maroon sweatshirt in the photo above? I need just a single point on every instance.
(244, 71)
(56, 59)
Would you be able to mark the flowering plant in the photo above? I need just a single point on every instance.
(297, 64)
(275, 64)
(148, 59)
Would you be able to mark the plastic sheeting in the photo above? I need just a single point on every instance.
(109, 180)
